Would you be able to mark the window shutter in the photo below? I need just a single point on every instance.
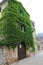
(24, 28)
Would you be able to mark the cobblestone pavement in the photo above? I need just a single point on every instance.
(34, 60)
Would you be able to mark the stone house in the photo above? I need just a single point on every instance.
(39, 42)
(11, 55)
(34, 35)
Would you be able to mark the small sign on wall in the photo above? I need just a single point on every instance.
(20, 46)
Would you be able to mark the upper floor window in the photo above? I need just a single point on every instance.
(23, 28)
(21, 12)
(0, 9)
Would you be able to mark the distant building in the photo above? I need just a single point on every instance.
(34, 35)
(2, 5)
(39, 42)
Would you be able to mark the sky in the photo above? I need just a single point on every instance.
(0, 0)
(35, 9)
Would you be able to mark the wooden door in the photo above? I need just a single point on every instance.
(21, 51)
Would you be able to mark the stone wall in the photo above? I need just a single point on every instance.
(28, 54)
(8, 55)
(1, 57)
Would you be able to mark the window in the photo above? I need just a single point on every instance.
(0, 9)
(38, 47)
(21, 12)
(23, 28)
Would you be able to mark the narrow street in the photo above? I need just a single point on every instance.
(34, 60)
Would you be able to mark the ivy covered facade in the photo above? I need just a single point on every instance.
(15, 26)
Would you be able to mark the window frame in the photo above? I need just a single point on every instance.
(22, 27)
(21, 12)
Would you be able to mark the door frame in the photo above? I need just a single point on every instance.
(22, 43)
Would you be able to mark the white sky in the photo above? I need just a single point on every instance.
(35, 9)
(0, 0)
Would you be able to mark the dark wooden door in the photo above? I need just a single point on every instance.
(21, 51)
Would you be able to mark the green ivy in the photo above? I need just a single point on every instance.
(10, 31)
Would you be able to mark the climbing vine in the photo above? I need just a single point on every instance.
(10, 32)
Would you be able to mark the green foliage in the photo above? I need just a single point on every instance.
(11, 33)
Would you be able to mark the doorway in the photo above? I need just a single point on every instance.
(21, 51)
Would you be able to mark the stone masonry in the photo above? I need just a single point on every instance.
(10, 55)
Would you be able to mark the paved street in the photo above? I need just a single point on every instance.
(34, 60)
